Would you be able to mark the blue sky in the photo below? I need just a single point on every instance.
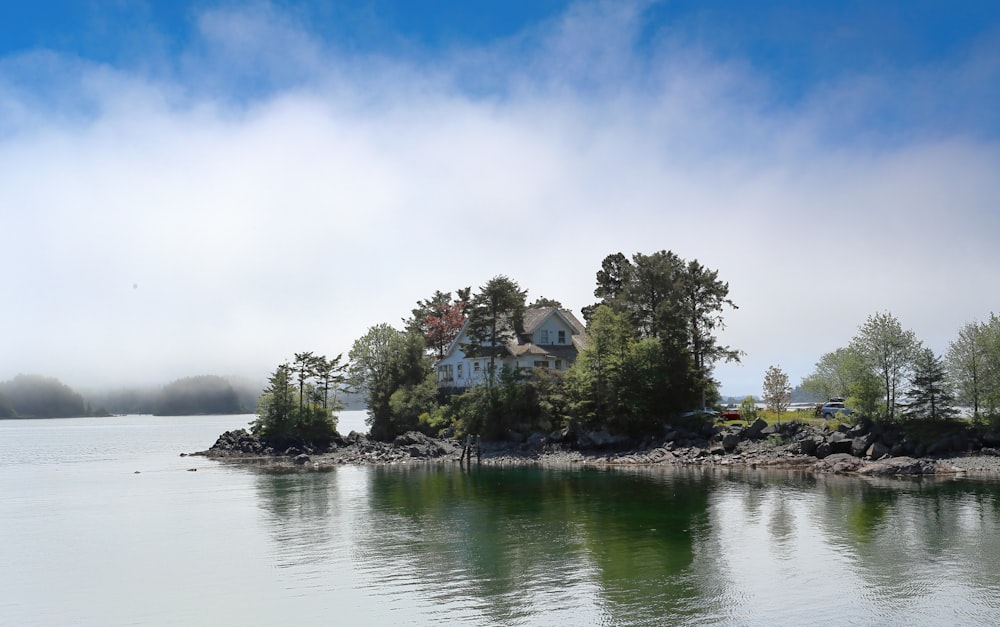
(208, 187)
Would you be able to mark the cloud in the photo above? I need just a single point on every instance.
(313, 193)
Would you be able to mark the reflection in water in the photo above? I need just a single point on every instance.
(523, 541)
(640, 546)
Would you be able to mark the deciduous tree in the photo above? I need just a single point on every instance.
(888, 350)
(777, 390)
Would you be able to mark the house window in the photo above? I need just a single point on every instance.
(445, 373)
(541, 364)
(459, 371)
(544, 339)
(562, 337)
(558, 364)
(475, 367)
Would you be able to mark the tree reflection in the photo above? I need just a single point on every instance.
(297, 509)
(509, 540)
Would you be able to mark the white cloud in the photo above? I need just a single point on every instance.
(171, 229)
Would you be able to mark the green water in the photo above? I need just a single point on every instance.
(102, 523)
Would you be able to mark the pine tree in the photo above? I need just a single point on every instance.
(930, 396)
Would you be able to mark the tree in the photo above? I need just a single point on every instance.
(382, 362)
(329, 375)
(777, 391)
(496, 316)
(748, 409)
(888, 351)
(843, 373)
(678, 303)
(283, 422)
(930, 396)
(595, 380)
(439, 319)
(543, 302)
(276, 406)
(967, 364)
(35, 396)
(834, 374)
(303, 366)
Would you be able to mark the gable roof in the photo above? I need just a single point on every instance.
(533, 318)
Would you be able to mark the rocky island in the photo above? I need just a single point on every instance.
(866, 449)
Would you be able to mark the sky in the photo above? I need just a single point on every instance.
(209, 187)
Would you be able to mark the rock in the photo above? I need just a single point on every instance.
(860, 444)
(536, 440)
(805, 446)
(301, 459)
(600, 439)
(878, 450)
(410, 437)
(838, 463)
(899, 466)
(839, 444)
(754, 430)
(729, 441)
(823, 450)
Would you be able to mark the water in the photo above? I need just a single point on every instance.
(103, 523)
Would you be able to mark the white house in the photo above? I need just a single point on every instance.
(552, 338)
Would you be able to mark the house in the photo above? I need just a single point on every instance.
(551, 338)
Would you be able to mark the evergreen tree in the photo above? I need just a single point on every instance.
(930, 395)
(496, 316)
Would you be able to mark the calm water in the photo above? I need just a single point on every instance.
(86, 540)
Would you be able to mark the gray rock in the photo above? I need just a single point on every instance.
(878, 450)
(754, 430)
(730, 440)
(301, 459)
(860, 444)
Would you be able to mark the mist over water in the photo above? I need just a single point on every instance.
(104, 523)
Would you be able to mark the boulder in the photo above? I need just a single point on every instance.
(860, 444)
(301, 459)
(807, 446)
(600, 439)
(823, 449)
(754, 430)
(878, 450)
(730, 440)
(840, 444)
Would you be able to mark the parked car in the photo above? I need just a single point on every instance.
(833, 408)
(731, 412)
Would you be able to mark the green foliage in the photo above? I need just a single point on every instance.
(748, 409)
(433, 422)
(973, 361)
(888, 352)
(291, 411)
(496, 315)
(679, 304)
(930, 396)
(777, 391)
(386, 362)
(411, 401)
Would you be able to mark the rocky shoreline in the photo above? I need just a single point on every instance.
(865, 449)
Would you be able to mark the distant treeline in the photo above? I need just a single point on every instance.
(189, 396)
(35, 396)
